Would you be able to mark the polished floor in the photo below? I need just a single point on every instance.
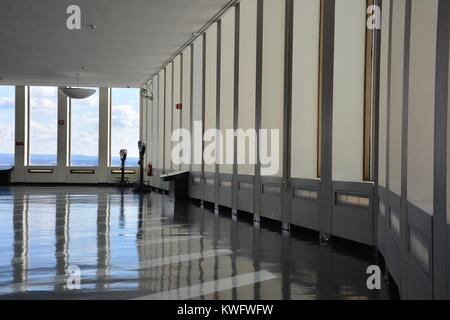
(145, 247)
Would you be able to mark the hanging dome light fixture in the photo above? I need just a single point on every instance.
(77, 93)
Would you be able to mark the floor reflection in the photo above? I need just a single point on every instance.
(146, 247)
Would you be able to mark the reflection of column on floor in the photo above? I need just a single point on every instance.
(122, 210)
(234, 248)
(62, 239)
(325, 283)
(286, 266)
(256, 261)
(216, 234)
(103, 241)
(20, 225)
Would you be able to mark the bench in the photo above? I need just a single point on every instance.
(178, 184)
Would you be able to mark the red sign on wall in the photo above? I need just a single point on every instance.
(179, 106)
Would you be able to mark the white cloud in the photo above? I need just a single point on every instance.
(7, 102)
(43, 138)
(125, 116)
(44, 92)
(7, 140)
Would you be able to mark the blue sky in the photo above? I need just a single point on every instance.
(85, 122)
(125, 121)
(84, 126)
(7, 119)
(43, 120)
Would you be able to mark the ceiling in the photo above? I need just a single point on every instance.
(131, 39)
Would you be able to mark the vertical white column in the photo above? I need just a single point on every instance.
(155, 108)
(348, 93)
(421, 99)
(305, 89)
(63, 138)
(272, 99)
(210, 91)
(247, 75)
(227, 90)
(21, 134)
(104, 135)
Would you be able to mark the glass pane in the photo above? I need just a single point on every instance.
(7, 125)
(84, 131)
(125, 125)
(43, 125)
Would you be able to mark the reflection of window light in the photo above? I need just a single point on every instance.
(124, 125)
(43, 126)
(382, 208)
(419, 249)
(305, 194)
(84, 134)
(352, 200)
(395, 221)
(7, 125)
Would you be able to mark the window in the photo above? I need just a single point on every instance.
(43, 126)
(7, 125)
(84, 126)
(124, 125)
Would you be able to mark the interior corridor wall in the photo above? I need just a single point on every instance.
(422, 75)
(227, 89)
(168, 106)
(305, 89)
(384, 94)
(176, 121)
(197, 100)
(348, 91)
(155, 123)
(272, 99)
(161, 118)
(186, 96)
(211, 94)
(247, 74)
(396, 98)
(148, 105)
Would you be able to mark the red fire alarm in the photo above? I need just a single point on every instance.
(61, 122)
(179, 106)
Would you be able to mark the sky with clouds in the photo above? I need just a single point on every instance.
(7, 119)
(85, 122)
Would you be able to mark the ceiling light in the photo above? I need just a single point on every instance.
(77, 93)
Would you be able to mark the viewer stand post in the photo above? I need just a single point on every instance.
(142, 188)
(123, 159)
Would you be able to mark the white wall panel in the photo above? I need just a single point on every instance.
(383, 93)
(161, 121)
(348, 93)
(186, 96)
(176, 114)
(211, 82)
(168, 111)
(305, 89)
(227, 85)
(395, 135)
(247, 72)
(197, 112)
(273, 73)
(422, 75)
(154, 138)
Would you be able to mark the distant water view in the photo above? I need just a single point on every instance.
(7, 160)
